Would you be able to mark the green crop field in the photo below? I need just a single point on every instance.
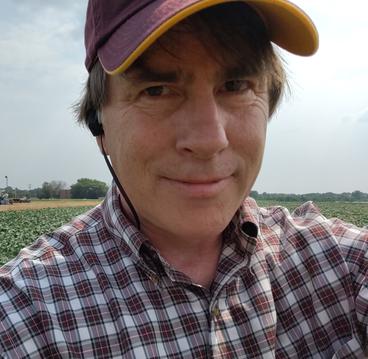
(20, 228)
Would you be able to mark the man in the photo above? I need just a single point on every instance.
(178, 262)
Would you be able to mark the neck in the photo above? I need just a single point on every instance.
(197, 257)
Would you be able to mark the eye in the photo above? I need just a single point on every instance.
(156, 91)
(236, 85)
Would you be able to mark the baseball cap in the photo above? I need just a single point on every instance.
(117, 32)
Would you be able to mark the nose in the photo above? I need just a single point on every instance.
(201, 129)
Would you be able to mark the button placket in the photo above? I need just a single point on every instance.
(215, 312)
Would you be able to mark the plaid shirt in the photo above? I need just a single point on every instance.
(287, 286)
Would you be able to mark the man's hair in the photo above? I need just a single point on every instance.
(230, 32)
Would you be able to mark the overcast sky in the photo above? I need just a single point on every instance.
(317, 142)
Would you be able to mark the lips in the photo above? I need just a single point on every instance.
(200, 181)
(199, 187)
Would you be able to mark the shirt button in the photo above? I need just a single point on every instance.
(153, 278)
(216, 312)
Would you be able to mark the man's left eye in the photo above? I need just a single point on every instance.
(156, 91)
(236, 85)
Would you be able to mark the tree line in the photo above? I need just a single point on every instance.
(91, 188)
(83, 188)
(355, 196)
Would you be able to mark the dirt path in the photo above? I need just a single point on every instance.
(49, 204)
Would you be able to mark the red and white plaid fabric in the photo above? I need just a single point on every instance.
(287, 286)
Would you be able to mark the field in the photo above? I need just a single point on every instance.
(21, 224)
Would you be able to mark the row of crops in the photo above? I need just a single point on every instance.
(19, 228)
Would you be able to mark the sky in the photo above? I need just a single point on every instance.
(317, 141)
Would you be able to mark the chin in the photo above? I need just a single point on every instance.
(204, 222)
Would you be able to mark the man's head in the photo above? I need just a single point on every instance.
(185, 119)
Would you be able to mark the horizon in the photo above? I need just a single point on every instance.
(253, 190)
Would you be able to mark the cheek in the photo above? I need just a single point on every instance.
(134, 142)
(249, 133)
(118, 140)
(248, 141)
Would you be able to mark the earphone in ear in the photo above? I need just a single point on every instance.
(93, 121)
(94, 124)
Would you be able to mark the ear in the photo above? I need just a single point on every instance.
(94, 123)
(100, 143)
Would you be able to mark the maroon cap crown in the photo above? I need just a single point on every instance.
(118, 31)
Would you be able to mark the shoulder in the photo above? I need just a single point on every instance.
(41, 276)
(317, 267)
(51, 253)
(308, 234)
(308, 220)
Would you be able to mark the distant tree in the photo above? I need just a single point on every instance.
(317, 197)
(357, 196)
(88, 188)
(52, 189)
(45, 190)
(35, 192)
(254, 194)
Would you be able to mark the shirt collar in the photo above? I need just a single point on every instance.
(120, 227)
(244, 227)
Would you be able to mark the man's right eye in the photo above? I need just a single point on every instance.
(156, 91)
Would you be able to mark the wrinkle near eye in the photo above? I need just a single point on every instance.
(262, 105)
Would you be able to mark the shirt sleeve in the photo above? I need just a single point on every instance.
(21, 325)
(353, 242)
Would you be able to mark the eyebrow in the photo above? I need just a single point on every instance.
(237, 72)
(140, 72)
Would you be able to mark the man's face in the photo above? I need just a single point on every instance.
(186, 136)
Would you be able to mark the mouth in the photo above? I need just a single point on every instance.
(199, 188)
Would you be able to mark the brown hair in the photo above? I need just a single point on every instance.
(234, 28)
